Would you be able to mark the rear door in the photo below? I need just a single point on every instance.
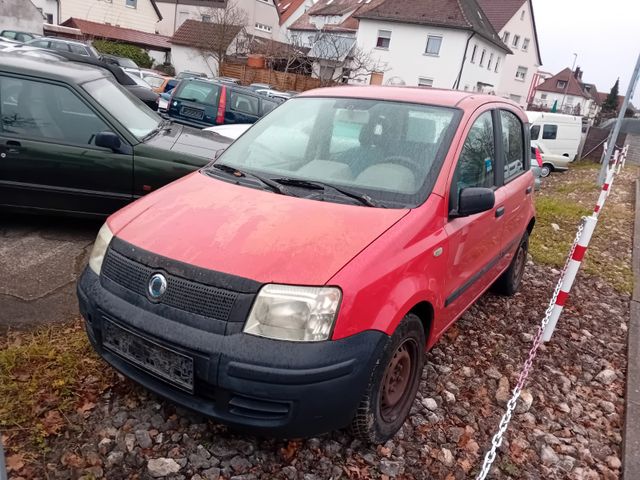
(474, 241)
(48, 158)
(195, 103)
(241, 107)
(518, 182)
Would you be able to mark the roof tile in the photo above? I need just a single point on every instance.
(204, 35)
(136, 37)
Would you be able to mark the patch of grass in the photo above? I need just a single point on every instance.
(44, 375)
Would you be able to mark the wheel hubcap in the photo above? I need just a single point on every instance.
(397, 380)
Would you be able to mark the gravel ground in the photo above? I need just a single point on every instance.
(568, 424)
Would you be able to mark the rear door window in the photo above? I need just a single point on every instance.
(268, 105)
(535, 131)
(40, 43)
(243, 103)
(512, 144)
(78, 50)
(9, 35)
(63, 47)
(550, 132)
(200, 92)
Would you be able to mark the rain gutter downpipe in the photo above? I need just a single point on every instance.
(456, 84)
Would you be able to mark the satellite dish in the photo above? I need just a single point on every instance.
(395, 82)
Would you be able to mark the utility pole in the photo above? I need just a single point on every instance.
(566, 87)
(175, 17)
(615, 131)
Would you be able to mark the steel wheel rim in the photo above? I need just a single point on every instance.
(397, 380)
(545, 171)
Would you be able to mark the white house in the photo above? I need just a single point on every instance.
(433, 43)
(261, 15)
(290, 11)
(21, 15)
(48, 9)
(514, 20)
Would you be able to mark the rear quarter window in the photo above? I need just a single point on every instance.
(549, 132)
(243, 103)
(200, 92)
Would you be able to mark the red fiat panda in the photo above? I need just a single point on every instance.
(292, 286)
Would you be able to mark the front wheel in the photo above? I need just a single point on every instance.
(393, 385)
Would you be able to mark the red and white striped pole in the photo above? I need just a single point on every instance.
(577, 254)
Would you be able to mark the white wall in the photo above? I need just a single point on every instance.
(509, 85)
(20, 15)
(187, 58)
(48, 6)
(473, 72)
(284, 34)
(117, 13)
(257, 11)
(406, 59)
(546, 100)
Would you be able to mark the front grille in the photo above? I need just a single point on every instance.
(181, 293)
(262, 409)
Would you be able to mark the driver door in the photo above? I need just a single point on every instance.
(48, 158)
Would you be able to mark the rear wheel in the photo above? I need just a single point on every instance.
(393, 385)
(509, 282)
(546, 170)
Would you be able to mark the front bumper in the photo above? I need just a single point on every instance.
(278, 388)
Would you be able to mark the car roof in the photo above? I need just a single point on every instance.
(61, 39)
(427, 96)
(51, 68)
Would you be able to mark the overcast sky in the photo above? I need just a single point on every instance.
(604, 34)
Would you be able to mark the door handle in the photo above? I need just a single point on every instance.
(13, 146)
(528, 190)
(499, 212)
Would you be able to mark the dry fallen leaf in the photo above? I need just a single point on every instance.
(290, 450)
(52, 422)
(86, 407)
(15, 462)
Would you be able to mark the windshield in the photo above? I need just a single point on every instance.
(138, 80)
(390, 151)
(134, 115)
(154, 81)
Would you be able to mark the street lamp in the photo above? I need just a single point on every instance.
(566, 87)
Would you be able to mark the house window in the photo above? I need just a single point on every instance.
(131, 3)
(561, 84)
(525, 44)
(262, 27)
(425, 82)
(49, 17)
(473, 53)
(522, 15)
(206, 18)
(505, 37)
(521, 73)
(433, 45)
(516, 41)
(490, 64)
(497, 64)
(384, 39)
(543, 96)
(515, 98)
(484, 52)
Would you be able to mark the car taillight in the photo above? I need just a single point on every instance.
(538, 157)
(222, 106)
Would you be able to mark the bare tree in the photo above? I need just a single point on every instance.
(230, 22)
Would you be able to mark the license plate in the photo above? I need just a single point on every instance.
(166, 364)
(192, 113)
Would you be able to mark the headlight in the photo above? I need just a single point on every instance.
(299, 314)
(100, 248)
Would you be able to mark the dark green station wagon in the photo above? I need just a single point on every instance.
(73, 141)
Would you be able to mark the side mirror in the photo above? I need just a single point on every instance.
(108, 140)
(475, 200)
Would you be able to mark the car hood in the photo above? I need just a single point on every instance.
(250, 233)
(191, 141)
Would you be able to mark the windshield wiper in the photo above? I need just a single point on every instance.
(240, 173)
(363, 198)
(163, 125)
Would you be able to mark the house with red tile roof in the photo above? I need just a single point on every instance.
(515, 22)
(432, 43)
(290, 11)
(569, 93)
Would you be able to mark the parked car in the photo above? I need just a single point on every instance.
(163, 101)
(235, 81)
(274, 94)
(204, 103)
(557, 133)
(64, 45)
(292, 286)
(155, 80)
(232, 131)
(181, 76)
(122, 62)
(69, 134)
(536, 167)
(552, 162)
(141, 92)
(261, 86)
(18, 36)
(6, 43)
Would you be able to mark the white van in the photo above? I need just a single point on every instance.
(556, 133)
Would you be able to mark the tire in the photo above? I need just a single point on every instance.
(509, 282)
(393, 385)
(546, 170)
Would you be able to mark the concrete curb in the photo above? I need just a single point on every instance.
(631, 432)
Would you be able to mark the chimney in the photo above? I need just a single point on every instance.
(578, 74)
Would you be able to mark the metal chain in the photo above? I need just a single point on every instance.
(496, 441)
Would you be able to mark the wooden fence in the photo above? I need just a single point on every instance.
(280, 80)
